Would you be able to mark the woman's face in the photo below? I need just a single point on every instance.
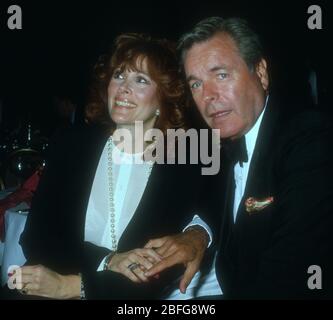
(132, 96)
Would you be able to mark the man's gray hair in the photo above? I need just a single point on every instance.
(247, 41)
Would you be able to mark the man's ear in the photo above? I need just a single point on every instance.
(262, 73)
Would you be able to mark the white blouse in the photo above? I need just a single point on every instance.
(130, 176)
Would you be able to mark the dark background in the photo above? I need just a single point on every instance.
(60, 41)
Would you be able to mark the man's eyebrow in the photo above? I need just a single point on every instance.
(217, 68)
(213, 69)
(190, 78)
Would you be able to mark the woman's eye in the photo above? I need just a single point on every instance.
(142, 80)
(118, 75)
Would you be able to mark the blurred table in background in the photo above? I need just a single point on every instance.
(15, 219)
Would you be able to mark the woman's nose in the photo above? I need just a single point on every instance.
(125, 87)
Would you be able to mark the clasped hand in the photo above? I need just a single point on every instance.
(133, 264)
(138, 265)
(185, 248)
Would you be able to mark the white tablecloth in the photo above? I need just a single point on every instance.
(3, 194)
(2, 247)
(12, 254)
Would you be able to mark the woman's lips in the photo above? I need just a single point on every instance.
(124, 104)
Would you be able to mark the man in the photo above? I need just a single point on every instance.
(277, 216)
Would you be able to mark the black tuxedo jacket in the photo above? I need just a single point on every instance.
(266, 254)
(54, 232)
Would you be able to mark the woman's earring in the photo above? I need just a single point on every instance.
(157, 112)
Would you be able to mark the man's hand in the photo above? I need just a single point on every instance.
(186, 248)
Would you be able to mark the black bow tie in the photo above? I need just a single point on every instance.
(235, 150)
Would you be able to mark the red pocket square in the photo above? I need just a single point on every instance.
(253, 205)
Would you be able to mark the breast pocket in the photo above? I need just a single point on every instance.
(254, 229)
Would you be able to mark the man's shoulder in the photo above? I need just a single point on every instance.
(290, 117)
(305, 134)
(302, 123)
(309, 118)
(289, 134)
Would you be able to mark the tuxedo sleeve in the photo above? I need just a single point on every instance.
(303, 225)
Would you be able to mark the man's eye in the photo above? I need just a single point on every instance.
(195, 85)
(222, 75)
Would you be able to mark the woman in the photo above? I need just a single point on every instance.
(99, 202)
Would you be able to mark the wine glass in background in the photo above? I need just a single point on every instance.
(25, 154)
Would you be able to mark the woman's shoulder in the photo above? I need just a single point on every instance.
(77, 133)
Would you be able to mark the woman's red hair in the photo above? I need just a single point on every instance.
(130, 50)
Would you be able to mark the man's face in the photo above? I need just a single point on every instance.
(228, 95)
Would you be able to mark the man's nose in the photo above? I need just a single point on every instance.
(210, 93)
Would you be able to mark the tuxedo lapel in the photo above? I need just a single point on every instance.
(250, 230)
(263, 155)
(256, 184)
(224, 264)
(227, 220)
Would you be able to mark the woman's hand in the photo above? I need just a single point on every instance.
(133, 264)
(41, 281)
